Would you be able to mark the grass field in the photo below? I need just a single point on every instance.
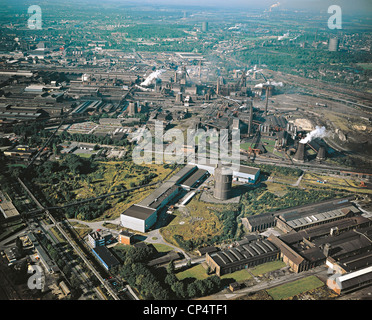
(197, 272)
(339, 183)
(200, 222)
(162, 247)
(240, 275)
(267, 267)
(291, 289)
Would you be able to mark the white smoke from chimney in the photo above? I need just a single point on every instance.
(274, 5)
(319, 132)
(154, 75)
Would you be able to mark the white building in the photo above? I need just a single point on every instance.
(139, 218)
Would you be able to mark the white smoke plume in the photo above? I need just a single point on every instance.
(319, 132)
(152, 77)
(272, 83)
(274, 5)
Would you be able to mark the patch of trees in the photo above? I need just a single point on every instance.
(190, 288)
(87, 211)
(139, 275)
(30, 129)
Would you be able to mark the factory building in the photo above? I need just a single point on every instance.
(42, 255)
(243, 173)
(325, 244)
(309, 216)
(351, 281)
(259, 222)
(246, 255)
(125, 237)
(105, 257)
(139, 218)
(195, 179)
(99, 238)
(142, 216)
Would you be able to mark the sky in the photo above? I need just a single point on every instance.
(348, 6)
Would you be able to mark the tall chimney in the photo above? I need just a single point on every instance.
(327, 249)
(267, 100)
(250, 118)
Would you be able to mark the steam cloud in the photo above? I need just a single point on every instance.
(152, 77)
(319, 132)
(275, 5)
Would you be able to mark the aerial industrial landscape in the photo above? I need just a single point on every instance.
(164, 151)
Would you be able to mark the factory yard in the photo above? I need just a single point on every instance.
(103, 129)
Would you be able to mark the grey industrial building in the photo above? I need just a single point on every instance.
(246, 255)
(142, 216)
(338, 240)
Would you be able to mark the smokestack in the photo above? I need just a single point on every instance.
(267, 100)
(300, 153)
(250, 118)
(327, 249)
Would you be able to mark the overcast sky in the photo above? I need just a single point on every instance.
(320, 5)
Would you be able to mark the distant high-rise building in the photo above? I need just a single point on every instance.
(205, 26)
(333, 44)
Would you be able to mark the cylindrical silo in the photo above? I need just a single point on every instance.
(222, 182)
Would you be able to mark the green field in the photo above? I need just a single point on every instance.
(162, 247)
(291, 289)
(268, 267)
(202, 222)
(197, 272)
(240, 275)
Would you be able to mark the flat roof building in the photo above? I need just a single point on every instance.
(99, 238)
(139, 218)
(125, 237)
(195, 179)
(104, 255)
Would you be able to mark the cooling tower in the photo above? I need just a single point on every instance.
(222, 182)
(300, 153)
(321, 154)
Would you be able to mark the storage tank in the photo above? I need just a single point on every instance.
(222, 182)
